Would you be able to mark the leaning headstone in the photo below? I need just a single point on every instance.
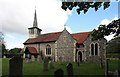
(70, 70)
(51, 64)
(45, 64)
(15, 66)
(59, 73)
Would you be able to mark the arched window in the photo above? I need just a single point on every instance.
(96, 49)
(48, 50)
(92, 49)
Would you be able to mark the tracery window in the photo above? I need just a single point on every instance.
(94, 49)
(48, 50)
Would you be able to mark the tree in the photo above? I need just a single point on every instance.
(3, 49)
(15, 50)
(103, 30)
(113, 45)
(84, 6)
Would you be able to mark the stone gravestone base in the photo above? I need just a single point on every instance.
(15, 67)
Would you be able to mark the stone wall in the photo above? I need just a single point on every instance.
(65, 47)
(101, 50)
(43, 49)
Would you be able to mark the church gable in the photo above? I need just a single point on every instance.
(66, 39)
(65, 46)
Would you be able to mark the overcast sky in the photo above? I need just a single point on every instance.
(16, 16)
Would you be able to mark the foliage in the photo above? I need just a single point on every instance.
(15, 50)
(105, 30)
(84, 6)
(114, 45)
(4, 50)
(2, 44)
(113, 55)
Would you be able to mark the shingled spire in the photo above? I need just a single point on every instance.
(35, 20)
(34, 31)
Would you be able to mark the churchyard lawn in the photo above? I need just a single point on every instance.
(36, 68)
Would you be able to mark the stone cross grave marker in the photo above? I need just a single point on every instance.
(15, 66)
(70, 70)
(59, 73)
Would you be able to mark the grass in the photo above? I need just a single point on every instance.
(36, 68)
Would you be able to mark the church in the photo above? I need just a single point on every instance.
(63, 46)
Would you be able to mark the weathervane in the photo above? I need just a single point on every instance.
(64, 26)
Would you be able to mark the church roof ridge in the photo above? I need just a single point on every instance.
(51, 33)
(81, 32)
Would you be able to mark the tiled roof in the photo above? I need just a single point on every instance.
(52, 37)
(32, 50)
(81, 37)
(43, 38)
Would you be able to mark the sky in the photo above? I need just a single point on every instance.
(16, 16)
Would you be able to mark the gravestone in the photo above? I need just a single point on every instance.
(117, 73)
(101, 63)
(70, 70)
(106, 68)
(32, 58)
(45, 64)
(39, 59)
(59, 73)
(27, 60)
(51, 64)
(4, 56)
(78, 63)
(15, 66)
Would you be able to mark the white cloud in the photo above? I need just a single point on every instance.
(106, 22)
(16, 16)
(109, 37)
(68, 29)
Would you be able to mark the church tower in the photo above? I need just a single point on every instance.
(34, 31)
